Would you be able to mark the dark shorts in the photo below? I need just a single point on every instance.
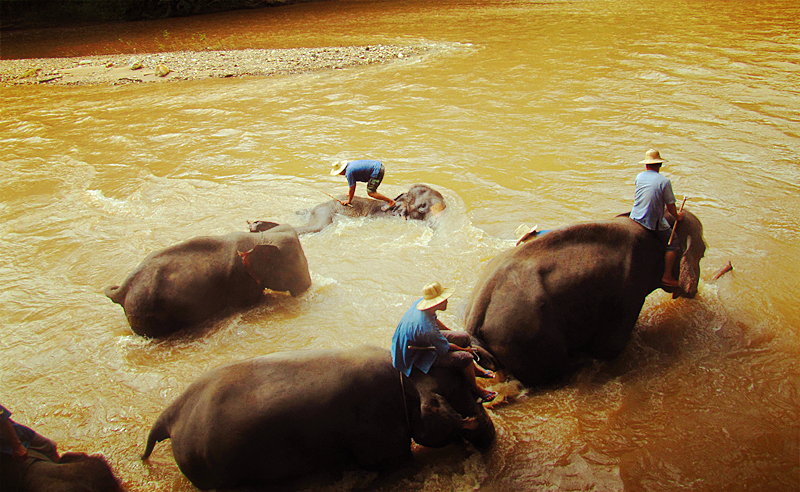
(373, 183)
(455, 358)
(663, 235)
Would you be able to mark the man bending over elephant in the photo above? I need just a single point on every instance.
(367, 171)
(419, 341)
(653, 193)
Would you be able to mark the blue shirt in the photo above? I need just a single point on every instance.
(653, 192)
(362, 170)
(24, 434)
(420, 329)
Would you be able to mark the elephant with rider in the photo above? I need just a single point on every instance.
(284, 416)
(420, 202)
(196, 280)
(544, 308)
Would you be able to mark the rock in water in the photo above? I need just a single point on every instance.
(162, 70)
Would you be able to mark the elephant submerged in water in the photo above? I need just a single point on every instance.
(420, 202)
(545, 307)
(288, 415)
(191, 282)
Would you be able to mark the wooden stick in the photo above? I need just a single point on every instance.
(675, 226)
(722, 271)
(348, 205)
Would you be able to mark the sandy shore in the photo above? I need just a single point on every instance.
(190, 65)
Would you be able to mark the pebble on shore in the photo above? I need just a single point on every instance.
(191, 65)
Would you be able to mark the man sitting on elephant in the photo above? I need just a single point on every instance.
(653, 194)
(368, 171)
(30, 462)
(422, 341)
(16, 439)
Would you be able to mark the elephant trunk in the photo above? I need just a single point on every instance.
(483, 435)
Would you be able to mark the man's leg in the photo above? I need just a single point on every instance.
(46, 446)
(378, 196)
(463, 340)
(372, 189)
(669, 261)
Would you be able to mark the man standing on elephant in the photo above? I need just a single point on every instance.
(653, 195)
(367, 171)
(419, 342)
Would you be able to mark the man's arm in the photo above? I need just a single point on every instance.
(350, 196)
(672, 209)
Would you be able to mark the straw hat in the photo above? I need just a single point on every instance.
(433, 294)
(653, 157)
(337, 167)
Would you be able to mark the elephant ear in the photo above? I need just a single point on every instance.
(437, 208)
(693, 247)
(439, 424)
(261, 225)
(447, 407)
(260, 262)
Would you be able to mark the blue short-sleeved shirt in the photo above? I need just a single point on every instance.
(362, 171)
(420, 329)
(24, 434)
(653, 192)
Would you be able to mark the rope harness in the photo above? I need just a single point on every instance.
(405, 402)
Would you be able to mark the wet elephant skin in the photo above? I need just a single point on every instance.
(544, 308)
(194, 281)
(286, 415)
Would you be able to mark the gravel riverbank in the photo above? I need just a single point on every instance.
(190, 65)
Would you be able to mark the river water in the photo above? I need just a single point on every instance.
(524, 112)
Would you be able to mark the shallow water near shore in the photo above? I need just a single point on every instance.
(531, 113)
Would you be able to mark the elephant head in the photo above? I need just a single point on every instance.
(442, 408)
(693, 248)
(420, 202)
(278, 265)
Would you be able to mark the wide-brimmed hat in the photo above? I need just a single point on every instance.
(653, 157)
(337, 167)
(433, 294)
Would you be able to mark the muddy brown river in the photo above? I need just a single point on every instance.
(525, 112)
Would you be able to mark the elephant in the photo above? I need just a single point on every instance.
(74, 472)
(289, 415)
(420, 202)
(193, 281)
(544, 308)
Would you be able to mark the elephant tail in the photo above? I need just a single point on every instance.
(116, 293)
(158, 433)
